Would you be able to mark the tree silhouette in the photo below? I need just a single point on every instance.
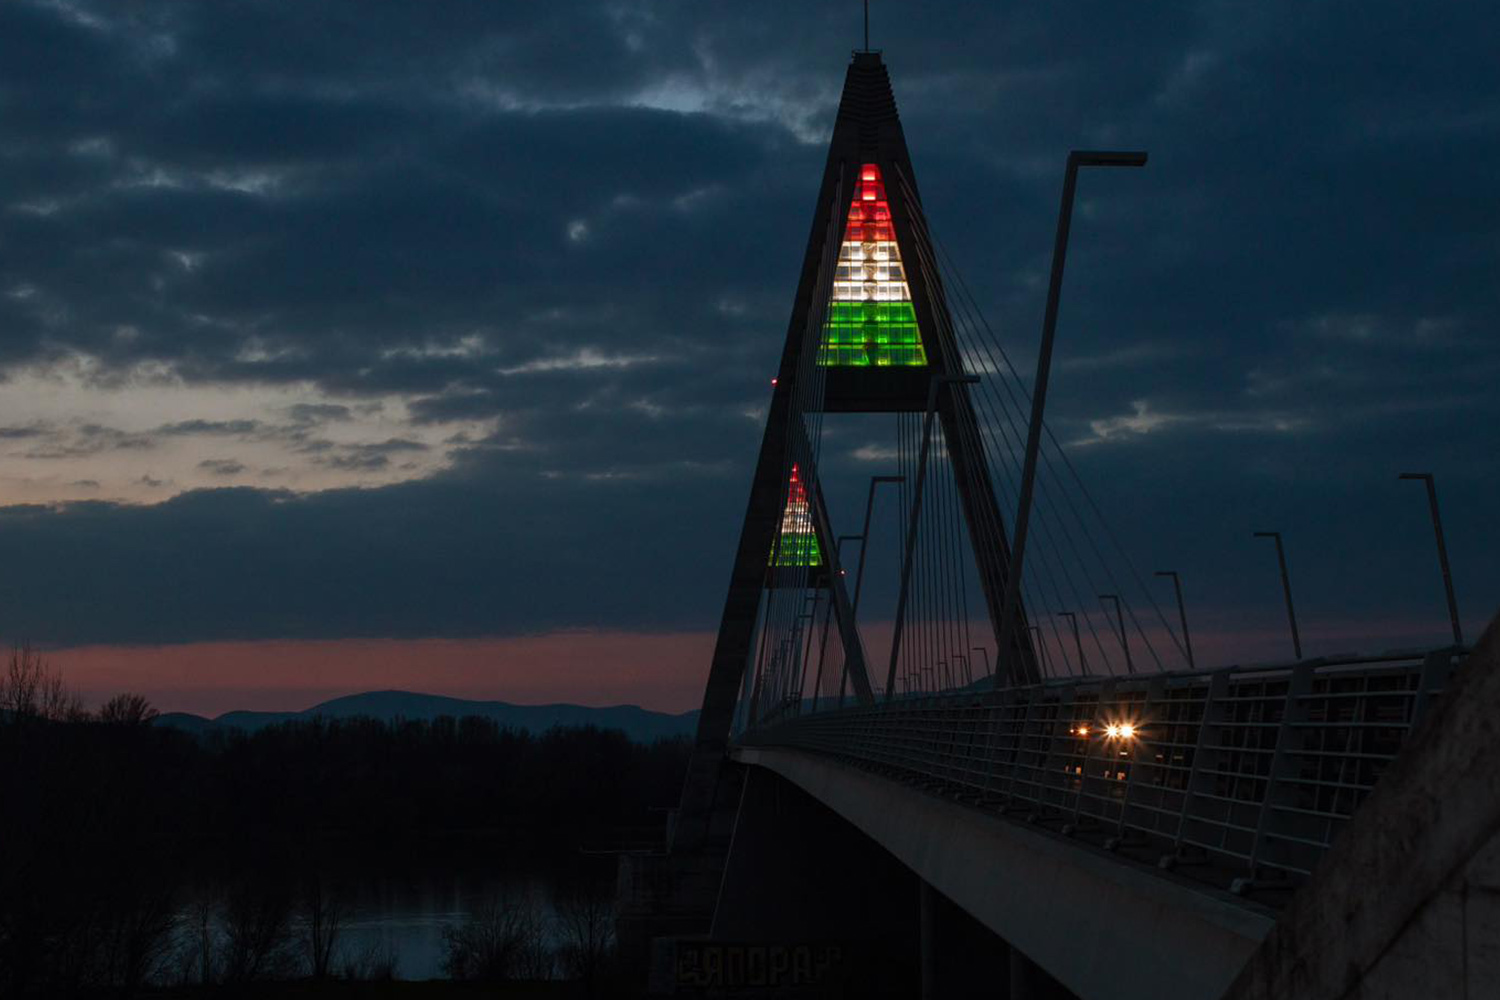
(321, 918)
(586, 925)
(127, 710)
(30, 689)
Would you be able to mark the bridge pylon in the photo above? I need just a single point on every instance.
(870, 332)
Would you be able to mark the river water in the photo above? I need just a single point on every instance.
(390, 911)
(403, 917)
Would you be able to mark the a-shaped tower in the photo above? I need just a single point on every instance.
(870, 332)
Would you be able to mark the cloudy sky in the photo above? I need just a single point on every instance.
(379, 344)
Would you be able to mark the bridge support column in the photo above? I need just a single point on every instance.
(799, 877)
(1022, 971)
(927, 917)
(960, 957)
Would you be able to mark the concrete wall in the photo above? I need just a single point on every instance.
(1408, 902)
(1101, 926)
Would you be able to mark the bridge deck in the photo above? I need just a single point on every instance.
(1243, 776)
(1074, 910)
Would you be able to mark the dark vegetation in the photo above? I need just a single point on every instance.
(135, 855)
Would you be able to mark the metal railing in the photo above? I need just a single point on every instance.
(1250, 769)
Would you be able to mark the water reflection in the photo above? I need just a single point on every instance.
(389, 913)
(404, 916)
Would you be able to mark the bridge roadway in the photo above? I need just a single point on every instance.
(1167, 852)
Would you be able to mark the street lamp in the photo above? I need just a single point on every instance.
(859, 573)
(968, 674)
(1286, 587)
(1041, 650)
(1083, 666)
(1442, 547)
(1076, 159)
(1124, 643)
(1187, 642)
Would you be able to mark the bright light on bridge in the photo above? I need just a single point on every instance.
(1112, 730)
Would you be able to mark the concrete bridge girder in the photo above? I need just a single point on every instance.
(1082, 916)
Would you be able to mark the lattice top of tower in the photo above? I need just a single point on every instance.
(868, 100)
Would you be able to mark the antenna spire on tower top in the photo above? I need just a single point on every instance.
(867, 25)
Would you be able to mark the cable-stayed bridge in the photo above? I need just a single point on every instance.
(1022, 780)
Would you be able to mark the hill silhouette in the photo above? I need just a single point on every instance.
(640, 724)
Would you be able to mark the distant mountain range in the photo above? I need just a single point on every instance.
(638, 723)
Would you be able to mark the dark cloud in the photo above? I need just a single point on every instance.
(209, 427)
(362, 457)
(87, 439)
(472, 558)
(583, 222)
(221, 466)
(317, 413)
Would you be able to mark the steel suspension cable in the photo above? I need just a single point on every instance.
(1051, 481)
(1104, 564)
(1072, 585)
(1044, 511)
(1067, 462)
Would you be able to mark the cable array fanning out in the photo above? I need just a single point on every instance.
(1085, 608)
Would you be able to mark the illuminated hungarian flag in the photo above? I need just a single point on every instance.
(798, 543)
(870, 317)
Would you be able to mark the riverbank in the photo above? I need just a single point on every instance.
(433, 989)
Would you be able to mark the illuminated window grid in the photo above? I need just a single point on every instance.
(870, 271)
(797, 544)
(870, 321)
(799, 550)
(872, 334)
